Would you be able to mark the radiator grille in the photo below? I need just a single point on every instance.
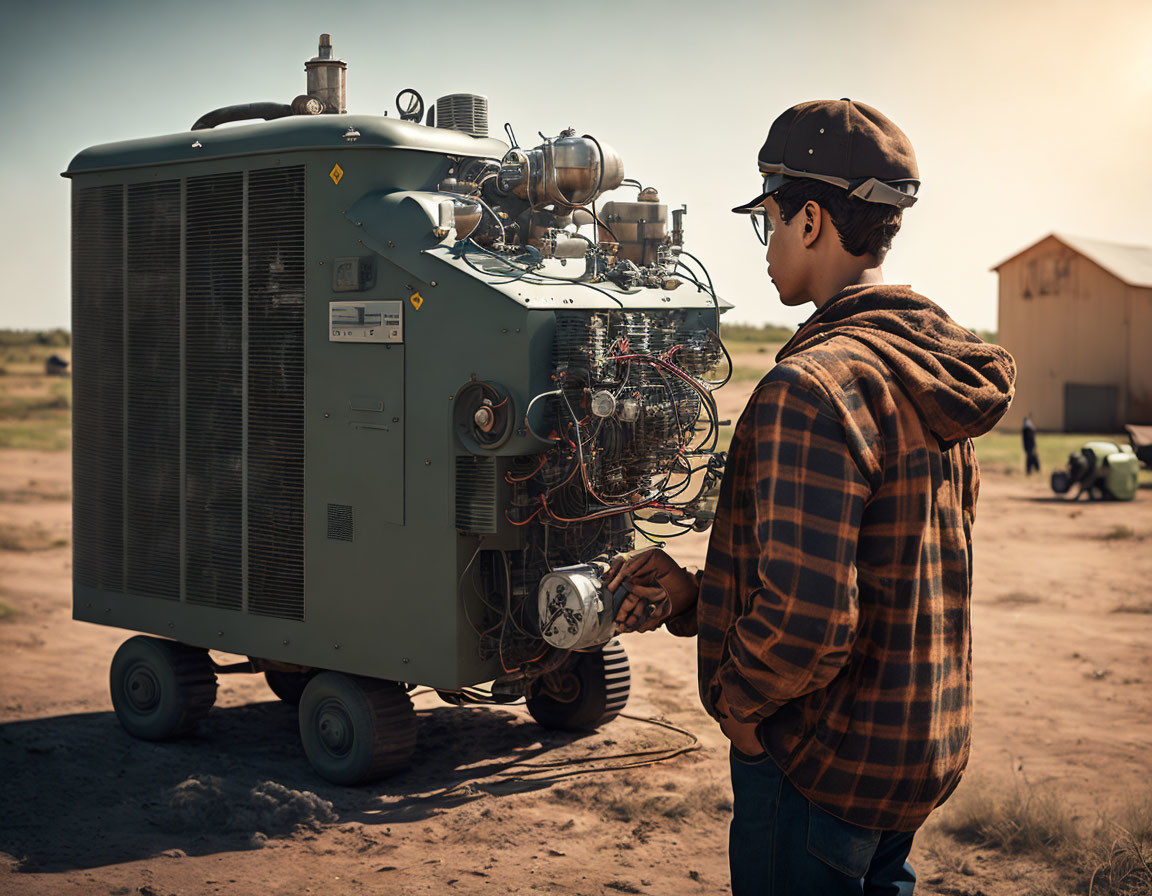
(98, 386)
(276, 392)
(476, 494)
(214, 389)
(239, 381)
(152, 443)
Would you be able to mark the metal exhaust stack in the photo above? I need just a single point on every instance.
(328, 78)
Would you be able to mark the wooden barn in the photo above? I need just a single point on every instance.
(1077, 316)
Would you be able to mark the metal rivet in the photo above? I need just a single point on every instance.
(504, 330)
(219, 634)
(285, 642)
(432, 283)
(821, 130)
(406, 660)
(335, 646)
(427, 463)
(810, 151)
(395, 419)
(326, 415)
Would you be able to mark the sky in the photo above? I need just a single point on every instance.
(1027, 117)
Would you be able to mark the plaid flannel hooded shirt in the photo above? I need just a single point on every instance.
(834, 604)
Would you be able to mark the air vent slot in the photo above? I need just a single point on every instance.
(214, 390)
(152, 419)
(275, 421)
(341, 524)
(467, 112)
(476, 494)
(98, 386)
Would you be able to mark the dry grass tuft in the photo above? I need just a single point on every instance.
(1119, 533)
(1017, 819)
(7, 611)
(635, 799)
(1017, 598)
(1145, 607)
(28, 538)
(1113, 857)
(35, 413)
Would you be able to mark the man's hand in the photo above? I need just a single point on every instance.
(659, 589)
(742, 734)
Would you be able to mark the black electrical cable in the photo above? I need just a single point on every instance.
(716, 384)
(707, 276)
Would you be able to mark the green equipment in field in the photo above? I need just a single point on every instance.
(371, 402)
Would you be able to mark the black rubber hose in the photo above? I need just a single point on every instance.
(242, 112)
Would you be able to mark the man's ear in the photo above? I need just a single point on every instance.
(812, 219)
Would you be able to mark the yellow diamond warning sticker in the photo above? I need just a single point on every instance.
(336, 173)
(417, 300)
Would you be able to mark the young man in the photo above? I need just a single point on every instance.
(832, 612)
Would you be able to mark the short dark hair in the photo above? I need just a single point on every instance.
(864, 227)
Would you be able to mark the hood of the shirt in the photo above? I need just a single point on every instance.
(960, 384)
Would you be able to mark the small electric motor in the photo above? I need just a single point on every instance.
(575, 609)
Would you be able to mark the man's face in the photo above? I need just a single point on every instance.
(786, 255)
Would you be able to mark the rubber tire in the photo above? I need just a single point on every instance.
(161, 689)
(376, 727)
(605, 681)
(288, 686)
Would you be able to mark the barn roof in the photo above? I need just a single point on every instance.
(1131, 264)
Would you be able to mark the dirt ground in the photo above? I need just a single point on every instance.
(1062, 618)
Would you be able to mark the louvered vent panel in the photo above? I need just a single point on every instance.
(341, 523)
(276, 392)
(152, 455)
(214, 384)
(98, 386)
(476, 494)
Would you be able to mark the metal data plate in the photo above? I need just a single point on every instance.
(365, 321)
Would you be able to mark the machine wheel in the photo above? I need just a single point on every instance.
(288, 686)
(161, 689)
(589, 692)
(356, 729)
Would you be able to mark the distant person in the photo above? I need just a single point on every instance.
(1031, 458)
(832, 613)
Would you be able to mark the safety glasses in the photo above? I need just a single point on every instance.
(761, 225)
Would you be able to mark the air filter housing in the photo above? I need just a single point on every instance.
(467, 112)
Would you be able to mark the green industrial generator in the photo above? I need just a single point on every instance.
(373, 402)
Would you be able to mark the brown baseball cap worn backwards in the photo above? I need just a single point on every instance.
(840, 142)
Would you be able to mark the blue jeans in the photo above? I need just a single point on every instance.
(780, 844)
